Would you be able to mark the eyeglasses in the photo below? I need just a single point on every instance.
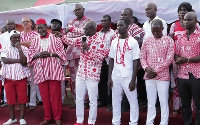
(25, 21)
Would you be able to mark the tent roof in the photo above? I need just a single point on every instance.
(7, 5)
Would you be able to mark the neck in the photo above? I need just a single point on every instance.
(27, 30)
(105, 29)
(190, 31)
(123, 36)
(151, 18)
(79, 18)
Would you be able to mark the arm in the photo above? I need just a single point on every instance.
(135, 70)
(9, 60)
(111, 65)
(23, 59)
(26, 44)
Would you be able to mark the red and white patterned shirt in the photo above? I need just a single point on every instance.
(107, 37)
(188, 48)
(76, 30)
(157, 54)
(27, 37)
(91, 61)
(49, 68)
(14, 71)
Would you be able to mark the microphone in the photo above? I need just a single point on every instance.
(84, 40)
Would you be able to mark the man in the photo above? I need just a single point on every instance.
(46, 54)
(188, 58)
(150, 11)
(156, 55)
(106, 34)
(15, 74)
(5, 41)
(136, 32)
(56, 26)
(75, 29)
(123, 66)
(26, 36)
(88, 74)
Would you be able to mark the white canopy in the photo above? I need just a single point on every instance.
(167, 10)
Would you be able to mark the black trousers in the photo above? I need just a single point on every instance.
(189, 88)
(102, 87)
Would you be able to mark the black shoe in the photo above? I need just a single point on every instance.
(101, 105)
(39, 103)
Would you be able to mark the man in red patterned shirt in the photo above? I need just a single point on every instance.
(188, 58)
(156, 55)
(46, 54)
(26, 36)
(88, 74)
(75, 29)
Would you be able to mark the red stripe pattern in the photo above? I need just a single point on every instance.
(14, 71)
(49, 68)
(27, 37)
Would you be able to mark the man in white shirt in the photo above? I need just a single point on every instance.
(150, 11)
(123, 66)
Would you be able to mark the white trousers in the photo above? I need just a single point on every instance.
(120, 85)
(82, 86)
(63, 88)
(162, 87)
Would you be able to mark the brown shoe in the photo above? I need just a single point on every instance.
(58, 122)
(45, 122)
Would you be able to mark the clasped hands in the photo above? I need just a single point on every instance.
(150, 73)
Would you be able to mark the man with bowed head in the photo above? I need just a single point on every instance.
(156, 55)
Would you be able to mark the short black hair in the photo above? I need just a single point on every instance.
(157, 22)
(107, 16)
(56, 20)
(186, 5)
(126, 22)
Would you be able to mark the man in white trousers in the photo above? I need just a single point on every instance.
(123, 66)
(156, 55)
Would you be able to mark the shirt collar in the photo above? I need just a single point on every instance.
(82, 18)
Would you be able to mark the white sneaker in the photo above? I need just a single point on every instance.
(22, 122)
(10, 121)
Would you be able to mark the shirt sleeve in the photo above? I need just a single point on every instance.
(72, 41)
(4, 53)
(111, 52)
(172, 28)
(136, 50)
(143, 55)
(165, 28)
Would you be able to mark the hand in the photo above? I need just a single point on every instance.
(18, 45)
(85, 46)
(150, 73)
(67, 29)
(132, 86)
(110, 83)
(181, 60)
(57, 34)
(44, 54)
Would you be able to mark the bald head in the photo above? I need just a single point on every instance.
(190, 20)
(156, 28)
(129, 11)
(150, 10)
(79, 11)
(90, 28)
(152, 5)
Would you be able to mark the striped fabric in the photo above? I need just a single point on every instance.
(76, 31)
(27, 37)
(49, 68)
(14, 71)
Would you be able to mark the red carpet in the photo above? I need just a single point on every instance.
(69, 117)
